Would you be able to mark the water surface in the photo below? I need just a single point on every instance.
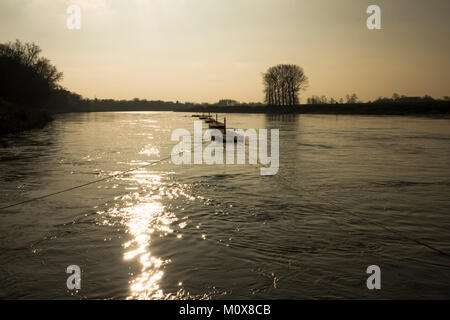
(225, 231)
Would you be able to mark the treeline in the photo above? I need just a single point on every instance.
(29, 88)
(30, 81)
(353, 99)
(350, 99)
(78, 104)
(25, 77)
(396, 98)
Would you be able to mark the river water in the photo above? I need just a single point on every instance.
(171, 231)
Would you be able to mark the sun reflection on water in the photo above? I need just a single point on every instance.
(143, 220)
(144, 215)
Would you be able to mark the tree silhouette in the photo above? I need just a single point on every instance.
(25, 77)
(283, 83)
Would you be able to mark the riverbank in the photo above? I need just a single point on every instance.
(15, 119)
(397, 109)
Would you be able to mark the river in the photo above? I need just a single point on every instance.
(351, 191)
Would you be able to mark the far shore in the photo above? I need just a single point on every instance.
(395, 109)
(433, 107)
(14, 118)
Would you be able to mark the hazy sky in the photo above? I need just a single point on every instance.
(206, 50)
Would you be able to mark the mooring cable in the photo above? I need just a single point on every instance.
(84, 184)
(351, 212)
(370, 221)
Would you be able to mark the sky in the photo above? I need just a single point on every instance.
(206, 50)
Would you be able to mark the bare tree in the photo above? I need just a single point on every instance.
(352, 99)
(283, 83)
(48, 72)
(25, 77)
(27, 55)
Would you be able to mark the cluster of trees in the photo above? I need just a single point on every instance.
(349, 99)
(26, 78)
(137, 104)
(227, 102)
(396, 98)
(353, 99)
(283, 83)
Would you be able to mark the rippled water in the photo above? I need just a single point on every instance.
(225, 232)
